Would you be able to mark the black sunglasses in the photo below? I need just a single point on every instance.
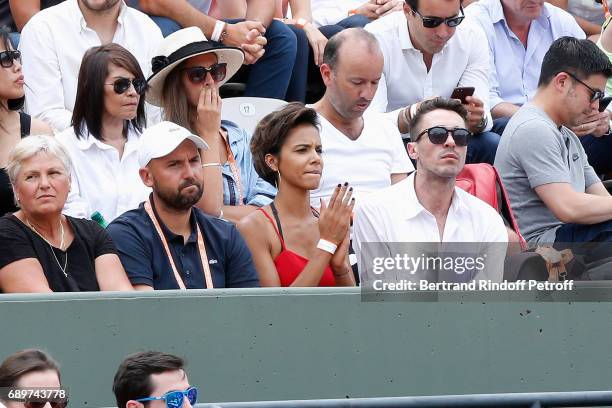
(596, 94)
(198, 74)
(433, 22)
(439, 134)
(121, 85)
(55, 403)
(7, 58)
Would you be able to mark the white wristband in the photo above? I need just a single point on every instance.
(220, 214)
(216, 34)
(327, 246)
(212, 165)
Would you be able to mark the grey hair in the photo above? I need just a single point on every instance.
(31, 146)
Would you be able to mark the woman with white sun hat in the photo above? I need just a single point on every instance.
(187, 73)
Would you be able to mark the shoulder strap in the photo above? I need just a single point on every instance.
(280, 228)
(25, 122)
(278, 233)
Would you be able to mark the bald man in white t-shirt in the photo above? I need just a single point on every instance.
(366, 151)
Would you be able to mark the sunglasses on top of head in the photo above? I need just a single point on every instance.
(7, 58)
(121, 85)
(174, 399)
(596, 94)
(433, 22)
(439, 134)
(197, 75)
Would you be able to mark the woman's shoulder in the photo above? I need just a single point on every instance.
(11, 228)
(254, 220)
(86, 229)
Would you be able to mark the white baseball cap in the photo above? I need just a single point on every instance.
(162, 139)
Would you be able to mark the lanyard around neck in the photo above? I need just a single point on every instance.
(233, 167)
(201, 247)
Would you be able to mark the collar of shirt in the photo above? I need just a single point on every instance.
(497, 15)
(78, 14)
(415, 208)
(89, 141)
(171, 236)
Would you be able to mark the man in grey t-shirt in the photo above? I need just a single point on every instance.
(554, 192)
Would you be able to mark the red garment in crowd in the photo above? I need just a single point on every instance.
(289, 264)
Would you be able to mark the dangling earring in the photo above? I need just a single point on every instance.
(278, 179)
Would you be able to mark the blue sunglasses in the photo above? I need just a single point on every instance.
(174, 399)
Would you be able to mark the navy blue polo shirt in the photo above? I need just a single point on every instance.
(144, 259)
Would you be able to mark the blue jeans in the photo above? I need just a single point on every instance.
(269, 76)
(482, 148)
(596, 239)
(599, 152)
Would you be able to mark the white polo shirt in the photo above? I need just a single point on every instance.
(395, 214)
(101, 180)
(366, 162)
(464, 61)
(52, 46)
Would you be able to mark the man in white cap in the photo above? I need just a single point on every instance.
(167, 243)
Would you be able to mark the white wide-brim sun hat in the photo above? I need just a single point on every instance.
(181, 45)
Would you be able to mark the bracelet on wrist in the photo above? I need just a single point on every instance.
(212, 165)
(216, 34)
(327, 246)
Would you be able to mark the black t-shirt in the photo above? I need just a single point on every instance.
(18, 241)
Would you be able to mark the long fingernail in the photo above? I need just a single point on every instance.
(351, 189)
(339, 185)
(346, 184)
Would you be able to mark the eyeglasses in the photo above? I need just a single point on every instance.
(121, 85)
(174, 399)
(433, 22)
(439, 134)
(55, 403)
(596, 94)
(198, 74)
(7, 58)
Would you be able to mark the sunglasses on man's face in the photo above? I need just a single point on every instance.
(433, 22)
(55, 403)
(439, 134)
(596, 94)
(174, 399)
(197, 75)
(121, 85)
(7, 58)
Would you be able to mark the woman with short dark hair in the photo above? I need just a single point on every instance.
(31, 370)
(107, 121)
(286, 150)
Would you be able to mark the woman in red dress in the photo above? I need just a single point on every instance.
(293, 244)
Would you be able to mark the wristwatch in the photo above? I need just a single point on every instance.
(300, 23)
(223, 34)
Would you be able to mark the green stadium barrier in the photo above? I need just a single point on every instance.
(292, 344)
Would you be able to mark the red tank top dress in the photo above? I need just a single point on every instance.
(289, 264)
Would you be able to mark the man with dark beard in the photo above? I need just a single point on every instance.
(168, 243)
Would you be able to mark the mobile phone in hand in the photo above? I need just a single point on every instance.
(462, 92)
(604, 102)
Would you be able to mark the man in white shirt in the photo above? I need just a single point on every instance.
(55, 39)
(427, 207)
(428, 53)
(366, 151)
